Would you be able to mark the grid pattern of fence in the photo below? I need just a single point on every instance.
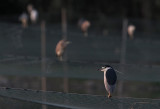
(78, 101)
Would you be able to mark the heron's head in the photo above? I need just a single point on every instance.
(105, 68)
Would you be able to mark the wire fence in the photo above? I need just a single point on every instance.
(20, 51)
(83, 70)
(78, 101)
(16, 41)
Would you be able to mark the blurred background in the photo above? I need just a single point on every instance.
(124, 34)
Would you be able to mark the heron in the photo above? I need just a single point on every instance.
(84, 25)
(60, 48)
(131, 29)
(33, 13)
(110, 79)
(24, 19)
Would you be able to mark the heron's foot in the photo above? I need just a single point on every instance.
(109, 96)
(60, 58)
(85, 34)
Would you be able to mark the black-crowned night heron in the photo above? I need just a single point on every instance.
(110, 79)
(60, 48)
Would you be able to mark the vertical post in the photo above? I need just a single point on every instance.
(64, 36)
(66, 81)
(124, 39)
(43, 60)
(64, 23)
(123, 56)
(123, 53)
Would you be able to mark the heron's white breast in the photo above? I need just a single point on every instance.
(105, 79)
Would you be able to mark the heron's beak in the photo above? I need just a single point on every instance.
(99, 69)
(68, 42)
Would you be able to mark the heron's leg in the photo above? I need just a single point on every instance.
(86, 34)
(109, 95)
(61, 58)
